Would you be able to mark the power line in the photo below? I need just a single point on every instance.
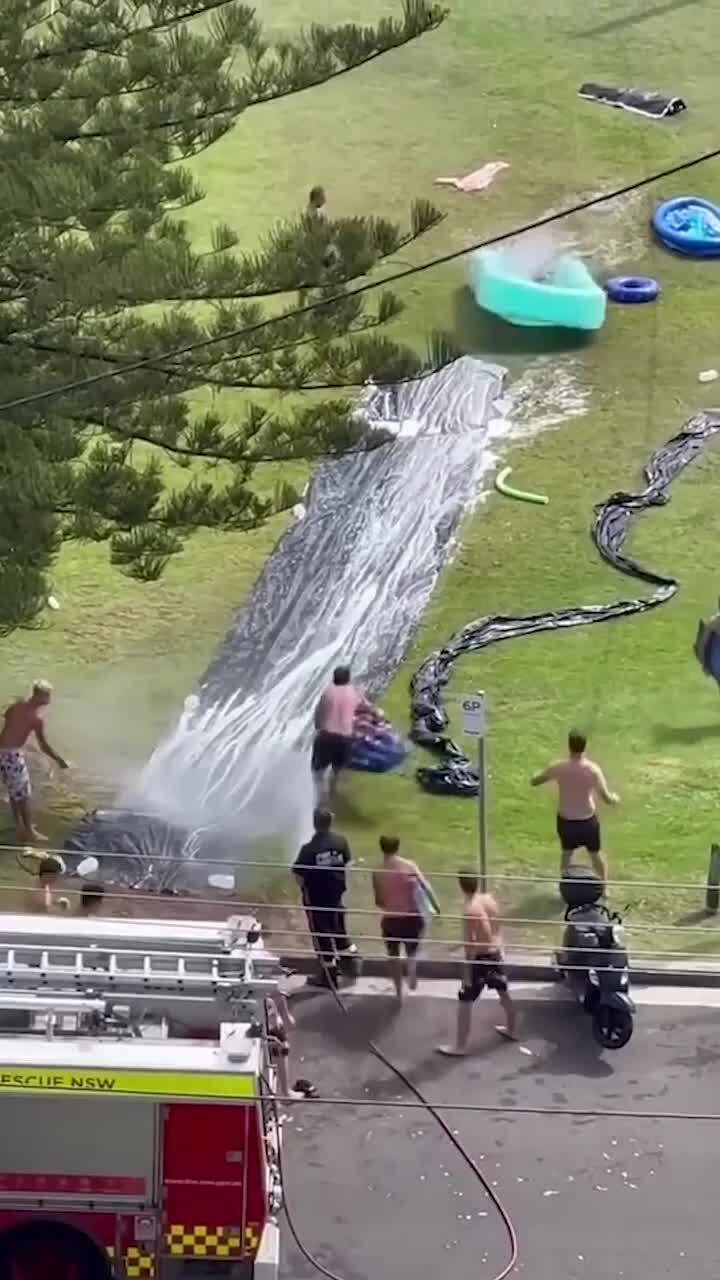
(442, 260)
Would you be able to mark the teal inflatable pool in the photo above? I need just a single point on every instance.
(566, 297)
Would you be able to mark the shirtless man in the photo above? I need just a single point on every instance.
(397, 887)
(334, 720)
(579, 780)
(22, 719)
(483, 964)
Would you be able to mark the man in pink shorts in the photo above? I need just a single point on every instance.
(22, 719)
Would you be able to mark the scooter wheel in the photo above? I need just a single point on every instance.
(612, 1028)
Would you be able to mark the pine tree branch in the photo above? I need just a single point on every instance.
(111, 47)
(317, 56)
(200, 372)
(87, 243)
(366, 439)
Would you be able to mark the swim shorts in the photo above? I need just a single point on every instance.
(14, 773)
(403, 931)
(579, 833)
(487, 971)
(331, 751)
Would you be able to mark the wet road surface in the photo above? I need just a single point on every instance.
(378, 1191)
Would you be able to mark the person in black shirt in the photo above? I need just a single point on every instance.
(320, 871)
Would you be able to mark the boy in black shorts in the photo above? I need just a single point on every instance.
(484, 965)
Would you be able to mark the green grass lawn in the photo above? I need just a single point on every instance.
(494, 82)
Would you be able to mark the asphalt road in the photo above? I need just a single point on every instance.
(379, 1192)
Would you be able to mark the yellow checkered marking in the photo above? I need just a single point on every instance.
(211, 1242)
(138, 1263)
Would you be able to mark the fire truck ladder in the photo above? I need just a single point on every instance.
(139, 978)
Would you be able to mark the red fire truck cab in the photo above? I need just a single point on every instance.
(138, 1134)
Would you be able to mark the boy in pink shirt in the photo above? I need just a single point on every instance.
(334, 720)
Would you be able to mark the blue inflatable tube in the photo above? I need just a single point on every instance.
(382, 761)
(707, 650)
(632, 289)
(689, 225)
(377, 751)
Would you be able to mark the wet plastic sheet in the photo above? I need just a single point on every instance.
(129, 836)
(455, 774)
(347, 583)
(653, 105)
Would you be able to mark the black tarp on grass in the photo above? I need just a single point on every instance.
(455, 774)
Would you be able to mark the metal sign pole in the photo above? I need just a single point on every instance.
(474, 716)
(482, 813)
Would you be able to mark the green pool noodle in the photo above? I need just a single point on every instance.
(502, 487)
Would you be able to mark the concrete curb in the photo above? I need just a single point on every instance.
(526, 969)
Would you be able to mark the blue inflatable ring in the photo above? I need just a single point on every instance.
(377, 751)
(632, 289)
(689, 225)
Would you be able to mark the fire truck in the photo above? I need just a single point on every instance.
(139, 1133)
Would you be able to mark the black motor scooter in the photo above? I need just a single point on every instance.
(593, 959)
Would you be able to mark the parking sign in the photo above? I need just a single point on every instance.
(473, 715)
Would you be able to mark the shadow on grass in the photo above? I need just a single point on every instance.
(539, 904)
(633, 19)
(689, 734)
(480, 333)
(346, 810)
(690, 918)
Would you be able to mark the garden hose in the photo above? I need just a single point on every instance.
(433, 1111)
(509, 492)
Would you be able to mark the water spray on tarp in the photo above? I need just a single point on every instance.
(346, 583)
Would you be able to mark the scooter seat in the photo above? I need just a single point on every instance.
(582, 936)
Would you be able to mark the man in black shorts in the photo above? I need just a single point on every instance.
(401, 891)
(334, 722)
(320, 871)
(484, 966)
(579, 781)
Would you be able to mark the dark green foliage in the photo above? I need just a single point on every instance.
(98, 103)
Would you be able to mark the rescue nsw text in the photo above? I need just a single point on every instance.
(64, 1080)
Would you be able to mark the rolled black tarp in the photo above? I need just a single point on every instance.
(653, 105)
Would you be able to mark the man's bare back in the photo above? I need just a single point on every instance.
(481, 925)
(21, 720)
(578, 782)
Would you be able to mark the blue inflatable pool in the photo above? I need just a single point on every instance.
(689, 225)
(567, 297)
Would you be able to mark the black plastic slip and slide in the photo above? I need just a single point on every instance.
(455, 775)
(653, 105)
